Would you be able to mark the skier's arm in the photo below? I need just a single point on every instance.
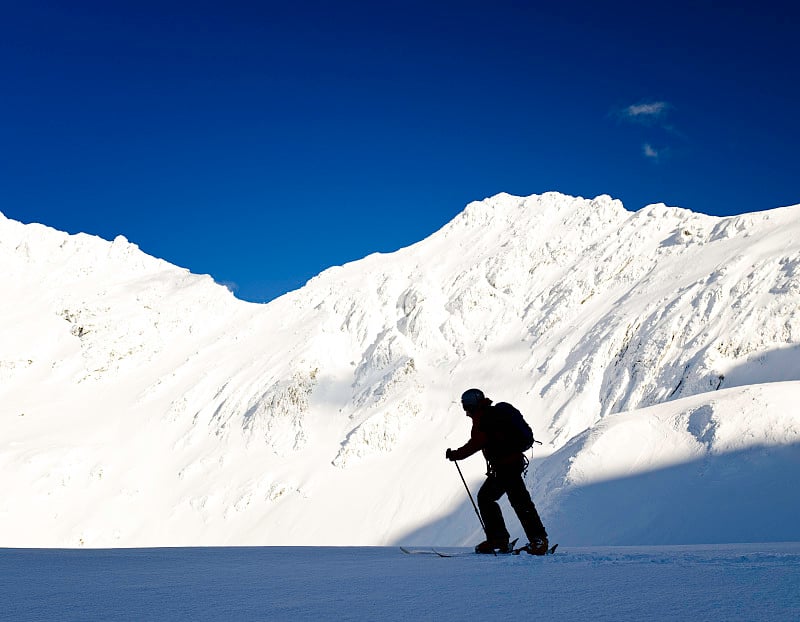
(476, 442)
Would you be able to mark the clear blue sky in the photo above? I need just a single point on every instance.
(261, 142)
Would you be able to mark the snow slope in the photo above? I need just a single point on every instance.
(655, 354)
(724, 582)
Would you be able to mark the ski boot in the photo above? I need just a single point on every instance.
(492, 547)
(537, 546)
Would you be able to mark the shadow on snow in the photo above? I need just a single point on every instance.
(744, 496)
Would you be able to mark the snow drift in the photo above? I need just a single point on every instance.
(655, 354)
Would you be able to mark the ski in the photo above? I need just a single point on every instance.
(420, 552)
(510, 550)
(464, 554)
(496, 552)
(550, 551)
(433, 552)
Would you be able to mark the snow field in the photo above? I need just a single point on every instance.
(654, 354)
(731, 582)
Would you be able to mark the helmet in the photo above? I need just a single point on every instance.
(472, 398)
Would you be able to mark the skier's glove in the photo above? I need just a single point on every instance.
(449, 455)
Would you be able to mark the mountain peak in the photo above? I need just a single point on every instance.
(143, 405)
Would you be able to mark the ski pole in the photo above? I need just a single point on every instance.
(471, 499)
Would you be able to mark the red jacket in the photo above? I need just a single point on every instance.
(479, 441)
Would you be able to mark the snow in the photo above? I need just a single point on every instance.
(723, 582)
(653, 352)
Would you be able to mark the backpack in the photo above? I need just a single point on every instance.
(509, 432)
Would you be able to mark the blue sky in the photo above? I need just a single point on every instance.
(261, 142)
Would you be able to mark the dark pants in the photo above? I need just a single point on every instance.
(508, 480)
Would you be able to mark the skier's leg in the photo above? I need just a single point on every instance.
(520, 500)
(488, 495)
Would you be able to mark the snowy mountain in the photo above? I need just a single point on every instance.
(655, 354)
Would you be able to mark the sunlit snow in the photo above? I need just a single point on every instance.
(656, 354)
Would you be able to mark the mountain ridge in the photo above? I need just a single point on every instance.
(231, 422)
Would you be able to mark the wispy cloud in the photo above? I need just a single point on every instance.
(650, 110)
(653, 116)
(650, 152)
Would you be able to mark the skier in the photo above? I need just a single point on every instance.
(505, 466)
